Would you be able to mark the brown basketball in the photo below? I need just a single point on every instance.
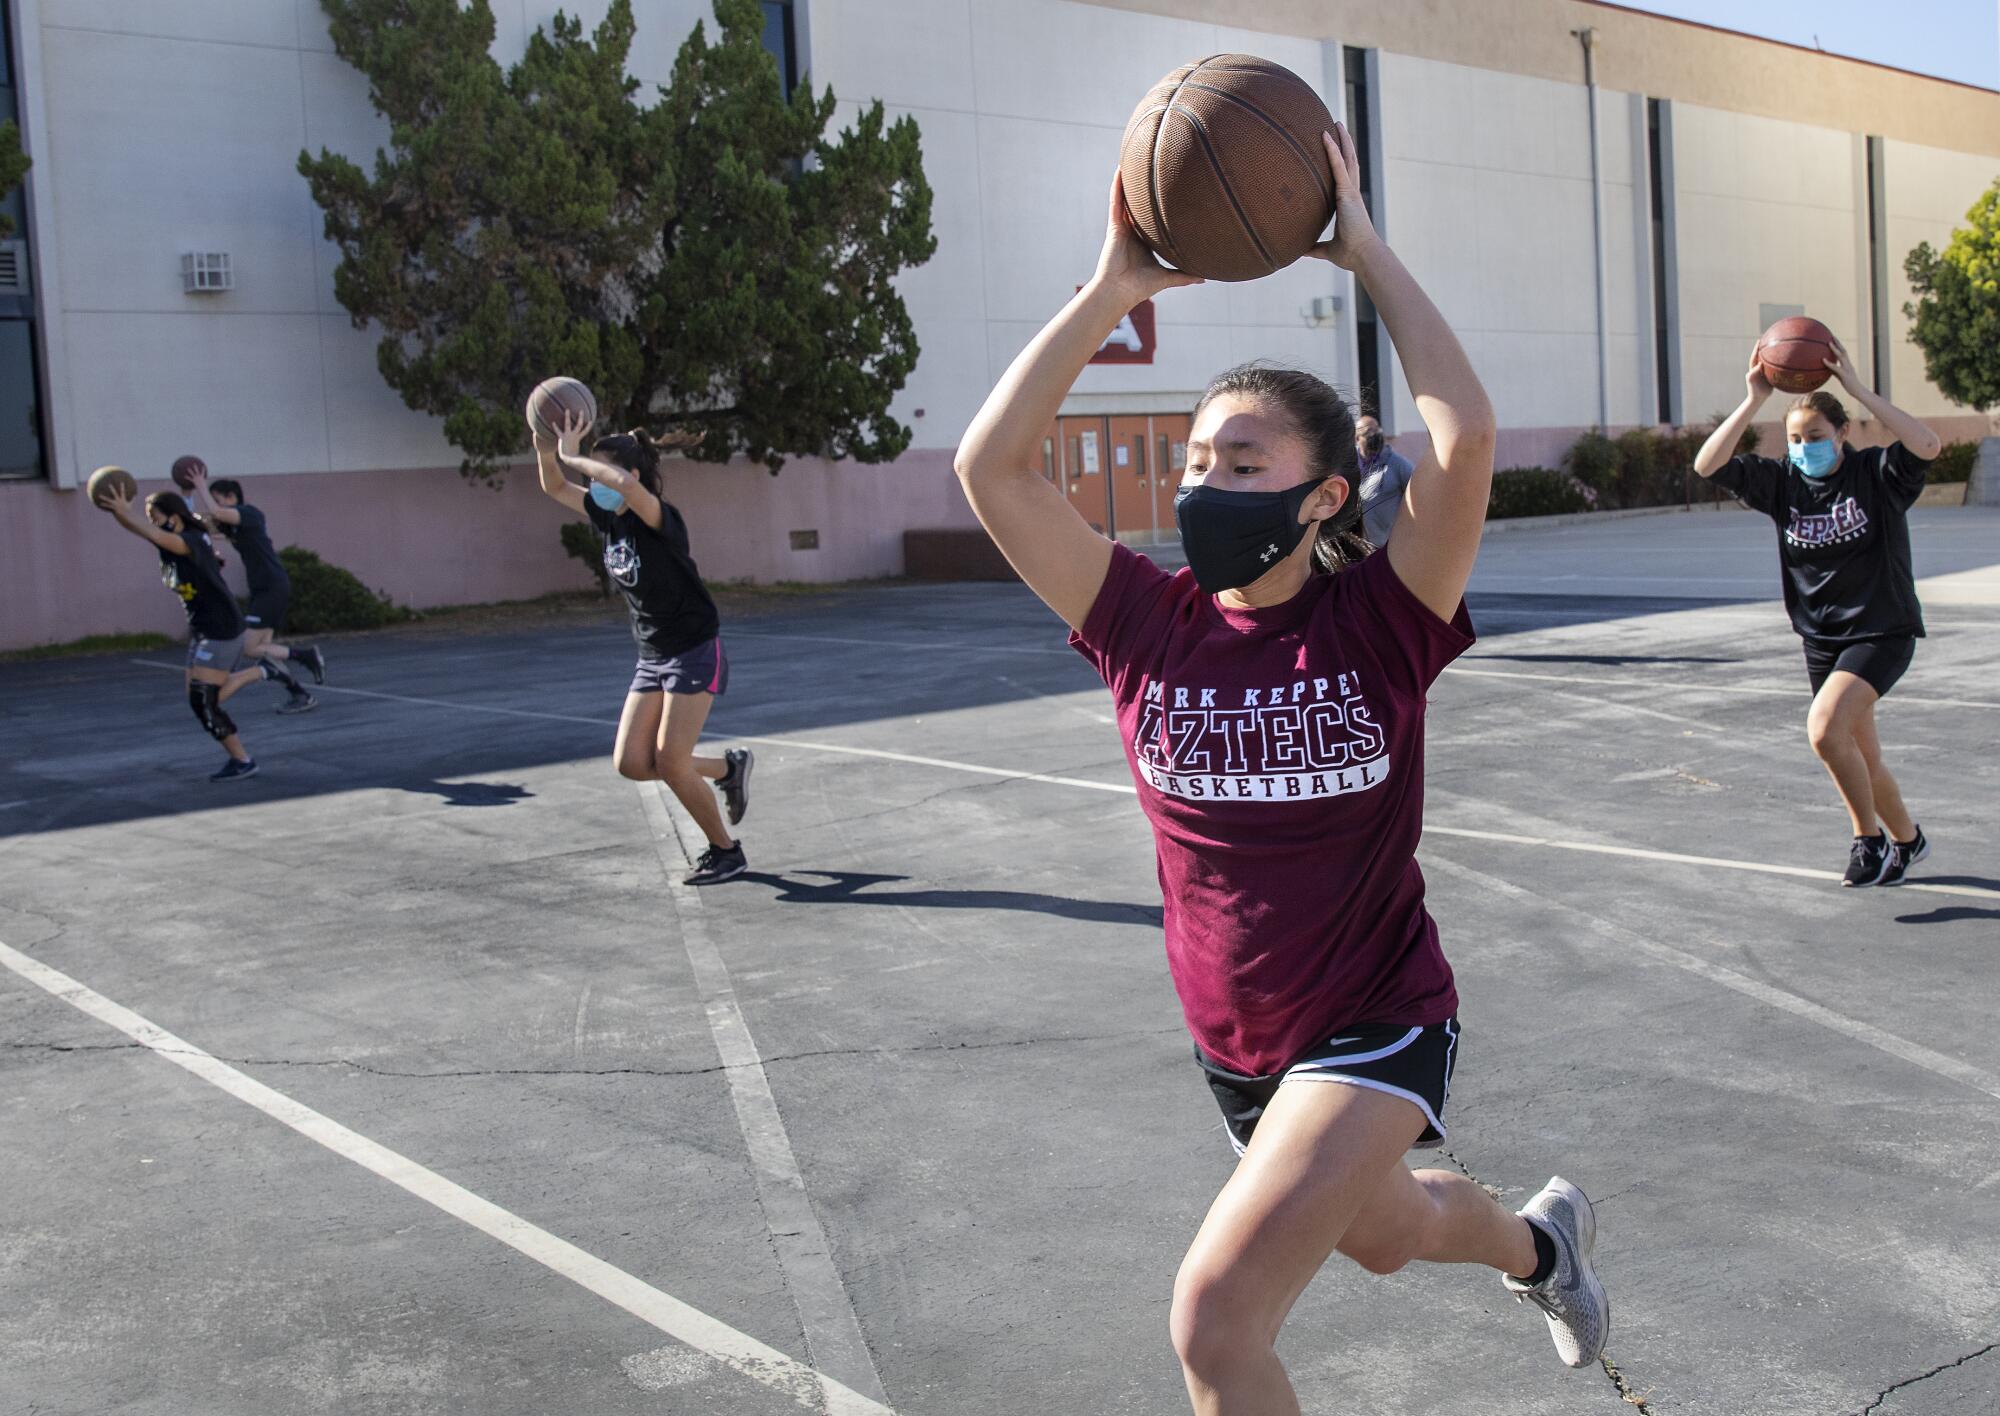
(1794, 352)
(185, 469)
(109, 479)
(553, 398)
(1224, 170)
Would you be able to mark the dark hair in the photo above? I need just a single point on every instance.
(1325, 422)
(636, 452)
(226, 487)
(170, 504)
(1827, 406)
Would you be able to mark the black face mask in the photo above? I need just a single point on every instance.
(1232, 538)
(1371, 444)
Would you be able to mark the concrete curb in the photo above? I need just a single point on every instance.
(1529, 523)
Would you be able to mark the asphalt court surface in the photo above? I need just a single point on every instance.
(966, 1131)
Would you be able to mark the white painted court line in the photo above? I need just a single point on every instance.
(1978, 1078)
(927, 647)
(833, 1334)
(1683, 684)
(762, 1364)
(1976, 892)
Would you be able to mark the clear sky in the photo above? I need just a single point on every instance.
(1954, 39)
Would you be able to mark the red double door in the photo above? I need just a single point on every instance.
(1120, 471)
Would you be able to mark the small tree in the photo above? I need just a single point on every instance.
(1955, 318)
(712, 259)
(13, 167)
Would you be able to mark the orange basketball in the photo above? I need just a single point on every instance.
(555, 397)
(111, 479)
(1224, 170)
(1793, 353)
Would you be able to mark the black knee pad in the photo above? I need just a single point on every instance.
(206, 701)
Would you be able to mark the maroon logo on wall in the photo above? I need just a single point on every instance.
(1132, 342)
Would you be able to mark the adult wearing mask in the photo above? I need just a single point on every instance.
(1384, 473)
(1844, 549)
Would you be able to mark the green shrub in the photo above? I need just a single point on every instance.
(581, 540)
(1645, 466)
(326, 597)
(1536, 491)
(1954, 464)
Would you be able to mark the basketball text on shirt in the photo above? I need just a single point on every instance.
(1311, 738)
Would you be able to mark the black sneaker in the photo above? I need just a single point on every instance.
(1903, 855)
(717, 864)
(314, 660)
(1867, 859)
(234, 771)
(300, 702)
(735, 784)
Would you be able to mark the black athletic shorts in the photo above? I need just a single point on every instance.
(267, 610)
(1413, 1063)
(1876, 662)
(702, 669)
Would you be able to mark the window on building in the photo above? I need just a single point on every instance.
(21, 439)
(780, 37)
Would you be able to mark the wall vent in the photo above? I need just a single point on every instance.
(206, 272)
(13, 267)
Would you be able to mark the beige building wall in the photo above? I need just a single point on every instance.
(1639, 53)
(1022, 104)
(1768, 212)
(1487, 196)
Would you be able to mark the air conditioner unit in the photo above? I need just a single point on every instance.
(13, 267)
(206, 272)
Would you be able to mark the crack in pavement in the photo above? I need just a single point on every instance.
(1883, 1395)
(1611, 1368)
(375, 1071)
(1625, 1391)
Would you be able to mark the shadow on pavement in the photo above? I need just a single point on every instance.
(844, 887)
(1612, 661)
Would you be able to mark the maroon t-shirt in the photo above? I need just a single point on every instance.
(1279, 754)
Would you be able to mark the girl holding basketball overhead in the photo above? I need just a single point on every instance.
(1844, 546)
(215, 654)
(1271, 698)
(681, 662)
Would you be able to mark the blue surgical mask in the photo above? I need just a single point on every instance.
(606, 498)
(1814, 459)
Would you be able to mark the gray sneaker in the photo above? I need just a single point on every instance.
(1571, 1298)
(735, 787)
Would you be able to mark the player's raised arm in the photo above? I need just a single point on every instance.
(1040, 533)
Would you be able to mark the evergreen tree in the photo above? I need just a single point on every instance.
(1955, 318)
(13, 167)
(711, 260)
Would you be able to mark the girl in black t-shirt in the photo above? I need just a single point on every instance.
(190, 569)
(1844, 547)
(681, 662)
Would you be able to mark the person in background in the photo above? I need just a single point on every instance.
(215, 623)
(1842, 516)
(1385, 472)
(243, 525)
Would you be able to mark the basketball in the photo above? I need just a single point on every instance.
(553, 398)
(185, 469)
(1224, 170)
(1794, 352)
(111, 479)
